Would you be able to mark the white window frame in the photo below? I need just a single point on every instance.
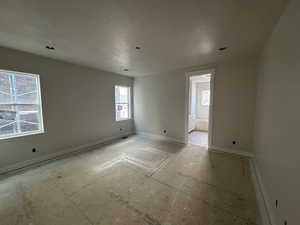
(129, 103)
(40, 108)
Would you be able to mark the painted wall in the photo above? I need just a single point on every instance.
(78, 106)
(277, 117)
(160, 103)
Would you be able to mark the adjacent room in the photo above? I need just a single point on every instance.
(199, 108)
(149, 112)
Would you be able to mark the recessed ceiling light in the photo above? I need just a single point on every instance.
(125, 69)
(137, 47)
(50, 47)
(222, 49)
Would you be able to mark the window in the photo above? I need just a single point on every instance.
(20, 104)
(122, 102)
(205, 97)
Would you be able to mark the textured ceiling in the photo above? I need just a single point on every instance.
(171, 33)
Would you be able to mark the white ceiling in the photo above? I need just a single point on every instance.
(172, 34)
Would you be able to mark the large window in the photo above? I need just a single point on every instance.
(205, 97)
(122, 102)
(20, 104)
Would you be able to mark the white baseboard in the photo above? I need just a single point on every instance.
(267, 215)
(265, 209)
(231, 151)
(54, 156)
(159, 137)
(214, 148)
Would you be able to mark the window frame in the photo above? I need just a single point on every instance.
(129, 103)
(39, 105)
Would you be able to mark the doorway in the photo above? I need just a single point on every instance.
(199, 108)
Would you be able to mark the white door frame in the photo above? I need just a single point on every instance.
(187, 103)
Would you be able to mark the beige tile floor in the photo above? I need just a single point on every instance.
(134, 181)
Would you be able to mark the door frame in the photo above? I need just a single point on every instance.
(211, 104)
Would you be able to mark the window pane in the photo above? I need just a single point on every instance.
(122, 94)
(122, 111)
(4, 83)
(5, 89)
(28, 113)
(7, 120)
(205, 97)
(28, 118)
(25, 118)
(26, 89)
(117, 94)
(8, 129)
(27, 98)
(25, 84)
(28, 127)
(122, 101)
(7, 112)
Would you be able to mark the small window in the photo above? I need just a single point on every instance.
(20, 104)
(205, 97)
(122, 102)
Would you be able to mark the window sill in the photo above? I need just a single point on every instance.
(21, 135)
(123, 120)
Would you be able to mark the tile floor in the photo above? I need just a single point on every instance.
(198, 138)
(133, 181)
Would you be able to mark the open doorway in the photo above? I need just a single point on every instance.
(199, 121)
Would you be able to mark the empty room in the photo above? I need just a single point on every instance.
(149, 112)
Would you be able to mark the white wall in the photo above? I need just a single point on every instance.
(78, 106)
(277, 117)
(160, 104)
